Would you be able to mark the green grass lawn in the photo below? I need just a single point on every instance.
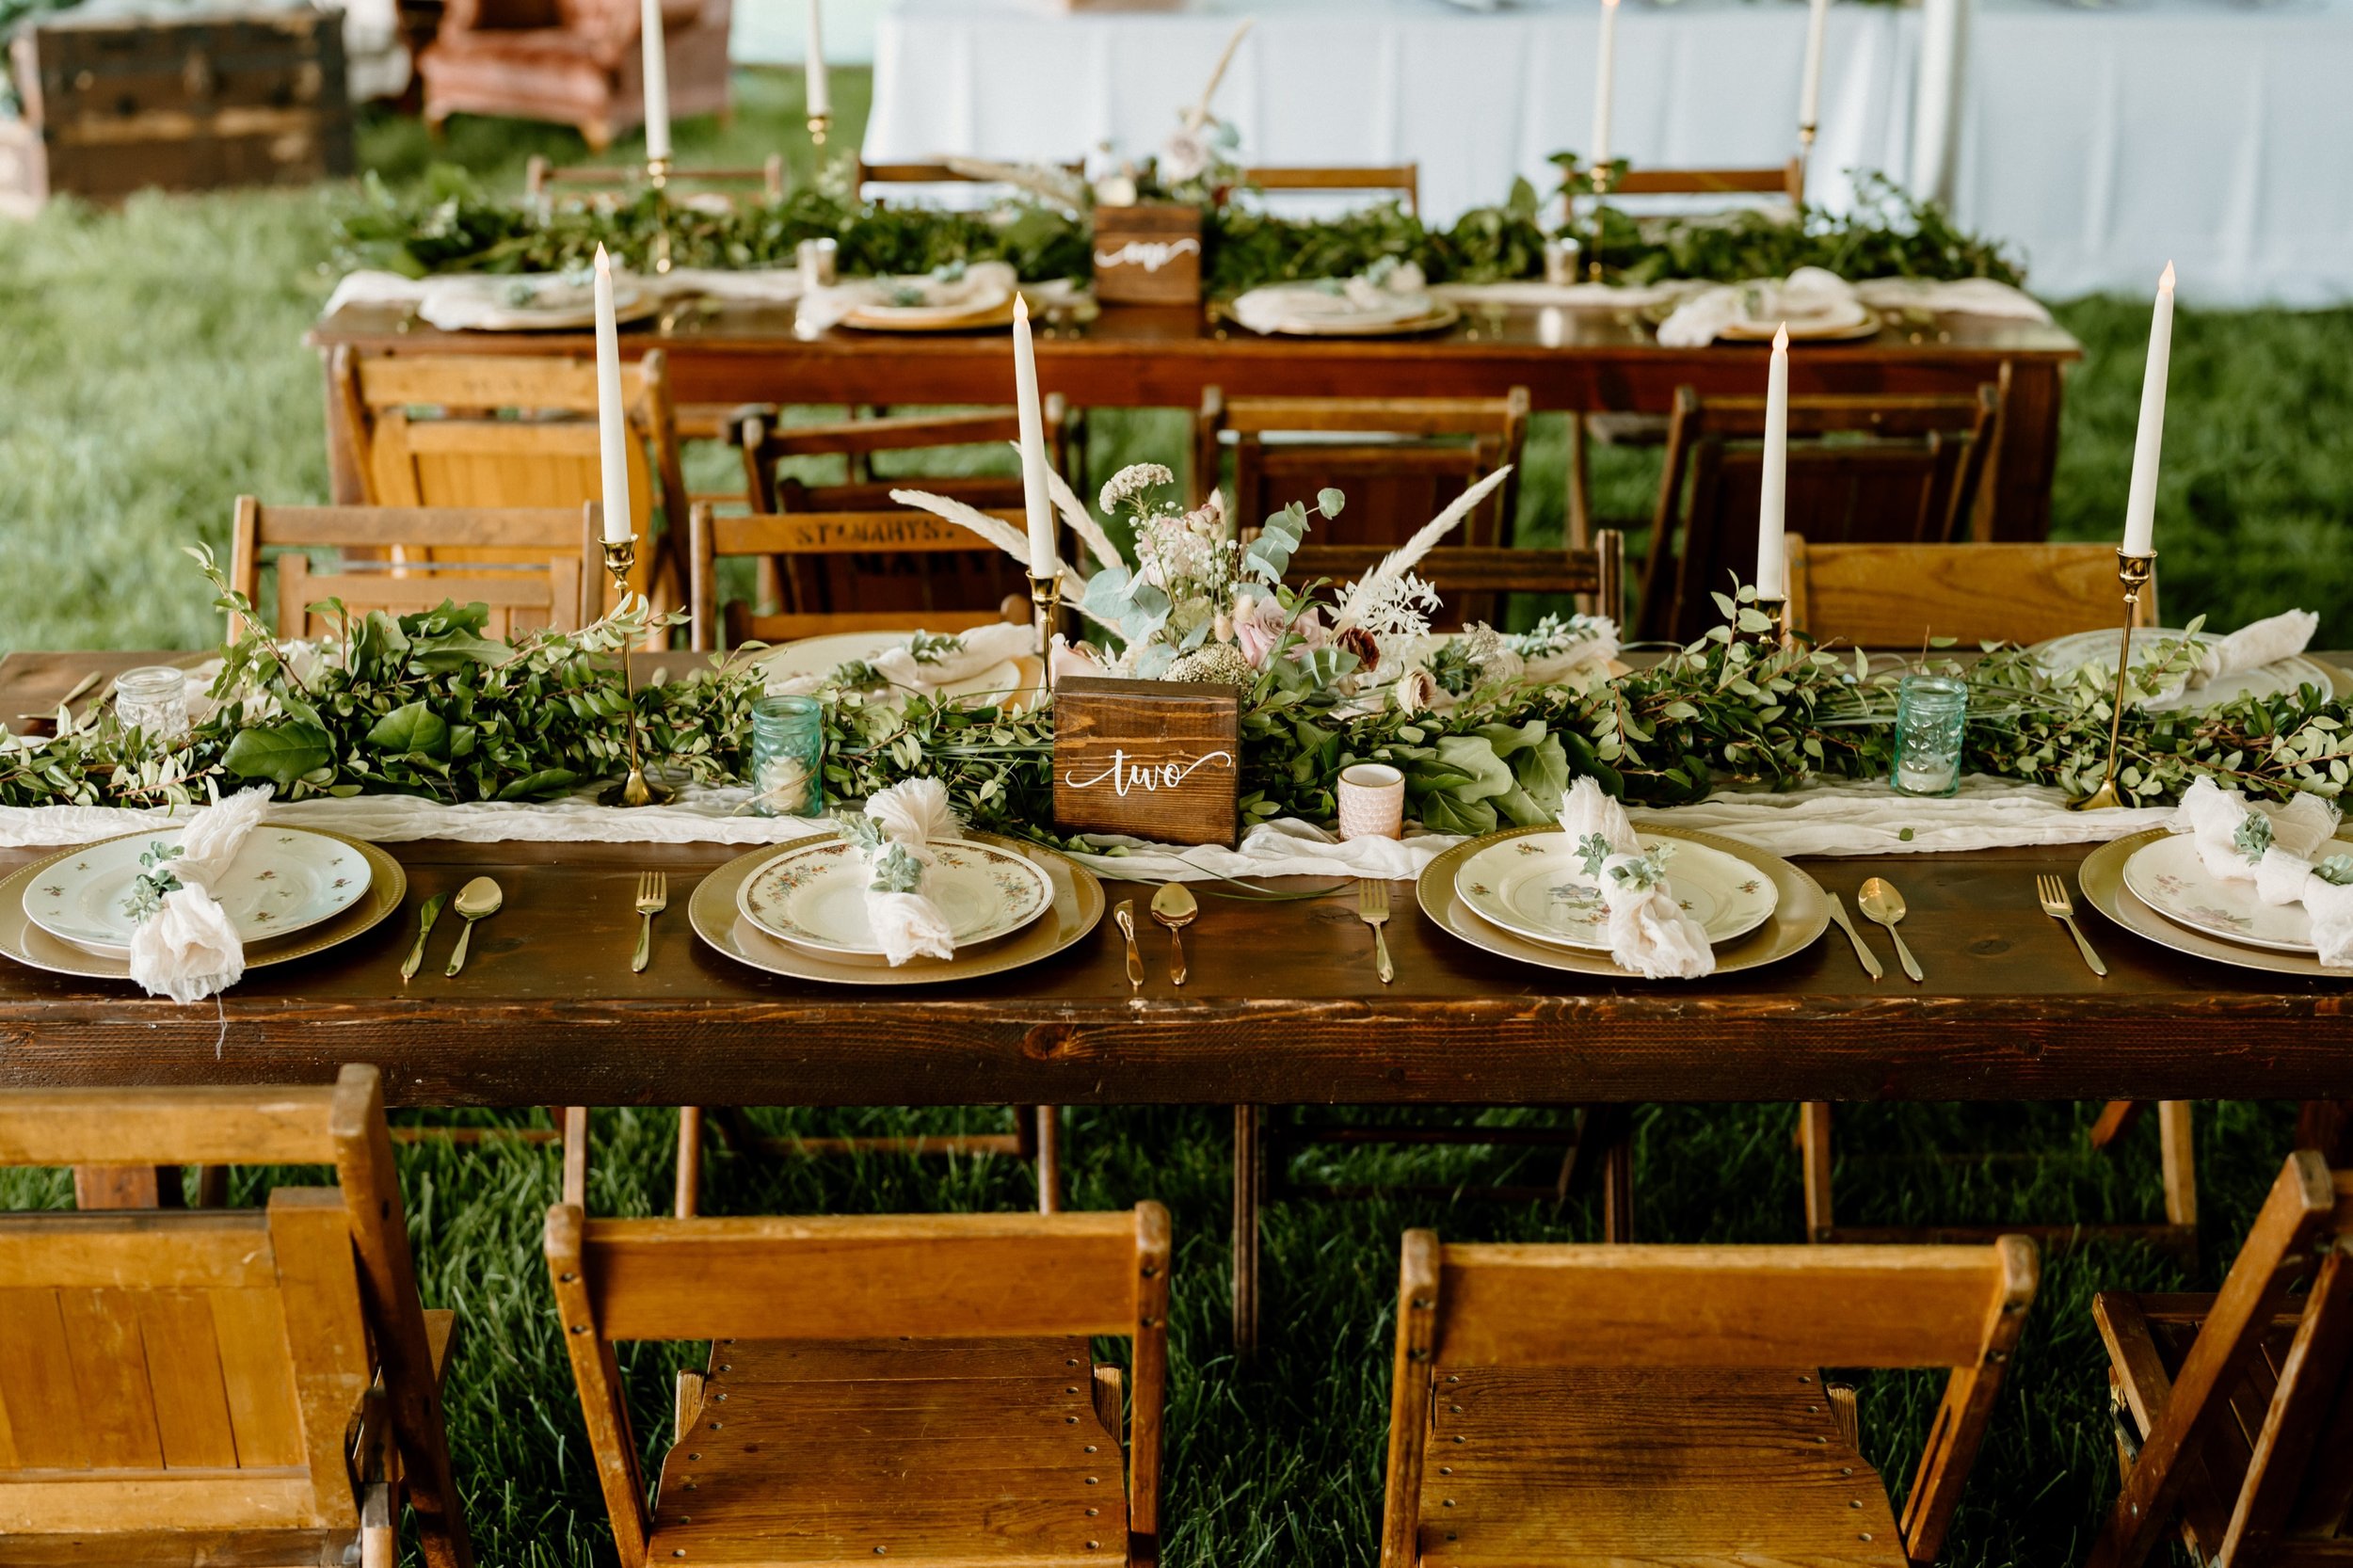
(151, 370)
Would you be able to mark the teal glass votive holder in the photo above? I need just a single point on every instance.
(788, 757)
(1932, 710)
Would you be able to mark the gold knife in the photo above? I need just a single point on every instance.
(426, 917)
(1861, 950)
(1126, 916)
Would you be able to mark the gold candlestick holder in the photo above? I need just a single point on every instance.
(2133, 572)
(658, 179)
(819, 124)
(637, 790)
(1601, 181)
(1776, 632)
(1045, 594)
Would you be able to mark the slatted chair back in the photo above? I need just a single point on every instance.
(842, 1280)
(1465, 1311)
(1399, 182)
(1859, 470)
(533, 568)
(913, 174)
(1788, 180)
(880, 539)
(2243, 1400)
(1474, 575)
(206, 1381)
(512, 430)
(1899, 596)
(541, 178)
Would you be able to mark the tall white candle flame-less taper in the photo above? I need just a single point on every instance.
(1810, 92)
(657, 63)
(612, 423)
(2140, 501)
(1773, 482)
(1605, 70)
(818, 89)
(1035, 498)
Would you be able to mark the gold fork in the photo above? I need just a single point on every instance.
(2056, 904)
(653, 896)
(1372, 907)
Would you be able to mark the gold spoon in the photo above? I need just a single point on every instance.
(1175, 908)
(1881, 903)
(478, 900)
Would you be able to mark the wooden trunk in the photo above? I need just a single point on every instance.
(1148, 254)
(1157, 758)
(114, 104)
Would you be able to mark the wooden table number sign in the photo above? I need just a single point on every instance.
(1148, 254)
(1158, 760)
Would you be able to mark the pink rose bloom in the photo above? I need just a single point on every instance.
(1259, 632)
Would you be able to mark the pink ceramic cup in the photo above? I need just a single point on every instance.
(1372, 802)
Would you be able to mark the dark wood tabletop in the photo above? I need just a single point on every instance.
(1145, 356)
(1282, 1006)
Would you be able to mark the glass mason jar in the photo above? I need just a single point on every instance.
(153, 700)
(788, 757)
(1932, 710)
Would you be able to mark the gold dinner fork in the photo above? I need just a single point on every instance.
(2056, 904)
(1372, 907)
(653, 896)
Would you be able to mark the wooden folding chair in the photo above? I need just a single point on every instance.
(533, 566)
(926, 171)
(1896, 597)
(541, 177)
(1400, 182)
(1860, 470)
(910, 1388)
(212, 1386)
(2235, 1411)
(1592, 1405)
(506, 430)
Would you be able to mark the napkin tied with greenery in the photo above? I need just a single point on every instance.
(183, 943)
(1649, 933)
(894, 836)
(2273, 848)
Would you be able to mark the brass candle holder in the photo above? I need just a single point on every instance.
(2133, 572)
(819, 124)
(658, 179)
(637, 790)
(1776, 632)
(1601, 181)
(1045, 594)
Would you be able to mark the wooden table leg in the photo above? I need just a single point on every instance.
(345, 485)
(1249, 1189)
(688, 1199)
(1049, 1160)
(126, 1186)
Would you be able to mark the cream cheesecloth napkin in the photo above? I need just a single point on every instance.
(983, 648)
(188, 948)
(1391, 295)
(951, 292)
(1649, 933)
(2250, 647)
(1812, 298)
(900, 825)
(2272, 848)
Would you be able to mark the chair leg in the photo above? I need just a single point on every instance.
(1049, 1160)
(1580, 520)
(1814, 1159)
(688, 1202)
(2116, 1117)
(576, 1155)
(211, 1187)
(2178, 1150)
(1616, 1193)
(1249, 1170)
(379, 1547)
(2327, 1125)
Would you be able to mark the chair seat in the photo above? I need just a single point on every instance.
(926, 1451)
(1540, 1467)
(179, 1549)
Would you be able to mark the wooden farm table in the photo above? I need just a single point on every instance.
(1164, 356)
(1282, 1007)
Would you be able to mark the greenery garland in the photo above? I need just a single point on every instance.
(453, 226)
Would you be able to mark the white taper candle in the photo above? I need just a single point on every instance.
(1035, 495)
(1810, 93)
(1604, 73)
(820, 90)
(1774, 485)
(2140, 501)
(657, 64)
(612, 423)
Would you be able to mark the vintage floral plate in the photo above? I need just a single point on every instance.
(1018, 680)
(2063, 656)
(285, 880)
(2102, 878)
(1537, 888)
(814, 895)
(2166, 875)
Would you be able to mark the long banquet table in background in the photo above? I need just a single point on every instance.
(1282, 1007)
(1164, 356)
(2101, 141)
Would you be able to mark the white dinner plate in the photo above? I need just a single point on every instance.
(1537, 888)
(285, 880)
(814, 896)
(2166, 875)
(2063, 656)
(822, 656)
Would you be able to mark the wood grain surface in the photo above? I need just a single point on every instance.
(1157, 760)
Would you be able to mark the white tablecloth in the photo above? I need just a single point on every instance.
(2101, 142)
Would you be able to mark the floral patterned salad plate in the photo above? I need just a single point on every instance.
(2063, 656)
(285, 880)
(1540, 886)
(2166, 875)
(1016, 680)
(814, 895)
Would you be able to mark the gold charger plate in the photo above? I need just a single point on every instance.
(1077, 909)
(1754, 331)
(1442, 314)
(2102, 878)
(29, 944)
(1798, 920)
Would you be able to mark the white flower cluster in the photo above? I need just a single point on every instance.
(1133, 482)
